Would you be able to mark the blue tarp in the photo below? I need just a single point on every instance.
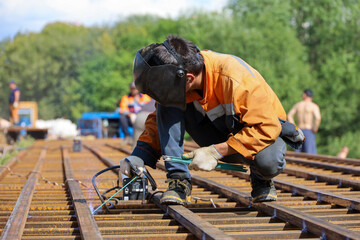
(102, 115)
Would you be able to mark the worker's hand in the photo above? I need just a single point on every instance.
(125, 166)
(292, 136)
(205, 158)
(15, 104)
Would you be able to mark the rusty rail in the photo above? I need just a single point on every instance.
(349, 161)
(15, 225)
(199, 227)
(310, 200)
(302, 220)
(328, 166)
(340, 181)
(306, 221)
(87, 224)
(195, 224)
(311, 192)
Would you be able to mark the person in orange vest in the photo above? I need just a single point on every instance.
(130, 105)
(223, 103)
(14, 99)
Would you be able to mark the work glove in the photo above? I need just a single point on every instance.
(15, 104)
(135, 161)
(297, 137)
(295, 141)
(205, 158)
(292, 136)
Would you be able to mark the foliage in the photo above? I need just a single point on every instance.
(330, 32)
(45, 65)
(70, 69)
(19, 146)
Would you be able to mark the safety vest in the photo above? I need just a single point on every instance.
(129, 105)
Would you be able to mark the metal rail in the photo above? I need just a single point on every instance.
(87, 224)
(198, 226)
(300, 219)
(306, 221)
(340, 181)
(16, 223)
(195, 224)
(56, 218)
(311, 192)
(328, 166)
(349, 161)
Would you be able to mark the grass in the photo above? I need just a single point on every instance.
(19, 146)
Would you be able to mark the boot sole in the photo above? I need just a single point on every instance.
(265, 198)
(172, 201)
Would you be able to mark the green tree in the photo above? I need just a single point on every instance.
(44, 65)
(330, 31)
(260, 32)
(71, 69)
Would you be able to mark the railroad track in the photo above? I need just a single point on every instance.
(46, 193)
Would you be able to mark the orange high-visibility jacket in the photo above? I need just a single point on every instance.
(232, 87)
(129, 105)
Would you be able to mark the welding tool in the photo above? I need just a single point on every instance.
(135, 188)
(139, 187)
(226, 166)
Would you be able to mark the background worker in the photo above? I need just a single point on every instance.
(225, 106)
(308, 119)
(14, 99)
(130, 105)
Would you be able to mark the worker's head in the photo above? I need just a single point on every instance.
(12, 84)
(308, 93)
(161, 70)
(133, 89)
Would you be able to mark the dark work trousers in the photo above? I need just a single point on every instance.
(125, 123)
(309, 146)
(172, 123)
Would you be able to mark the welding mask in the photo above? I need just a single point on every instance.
(166, 83)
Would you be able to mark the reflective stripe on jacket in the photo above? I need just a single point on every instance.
(233, 89)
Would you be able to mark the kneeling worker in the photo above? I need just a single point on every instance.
(223, 103)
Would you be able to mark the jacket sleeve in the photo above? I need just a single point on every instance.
(254, 105)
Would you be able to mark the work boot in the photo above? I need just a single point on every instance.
(262, 190)
(178, 192)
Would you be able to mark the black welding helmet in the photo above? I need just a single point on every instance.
(166, 83)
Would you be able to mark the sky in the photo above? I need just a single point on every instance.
(32, 15)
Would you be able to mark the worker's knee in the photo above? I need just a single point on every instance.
(270, 161)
